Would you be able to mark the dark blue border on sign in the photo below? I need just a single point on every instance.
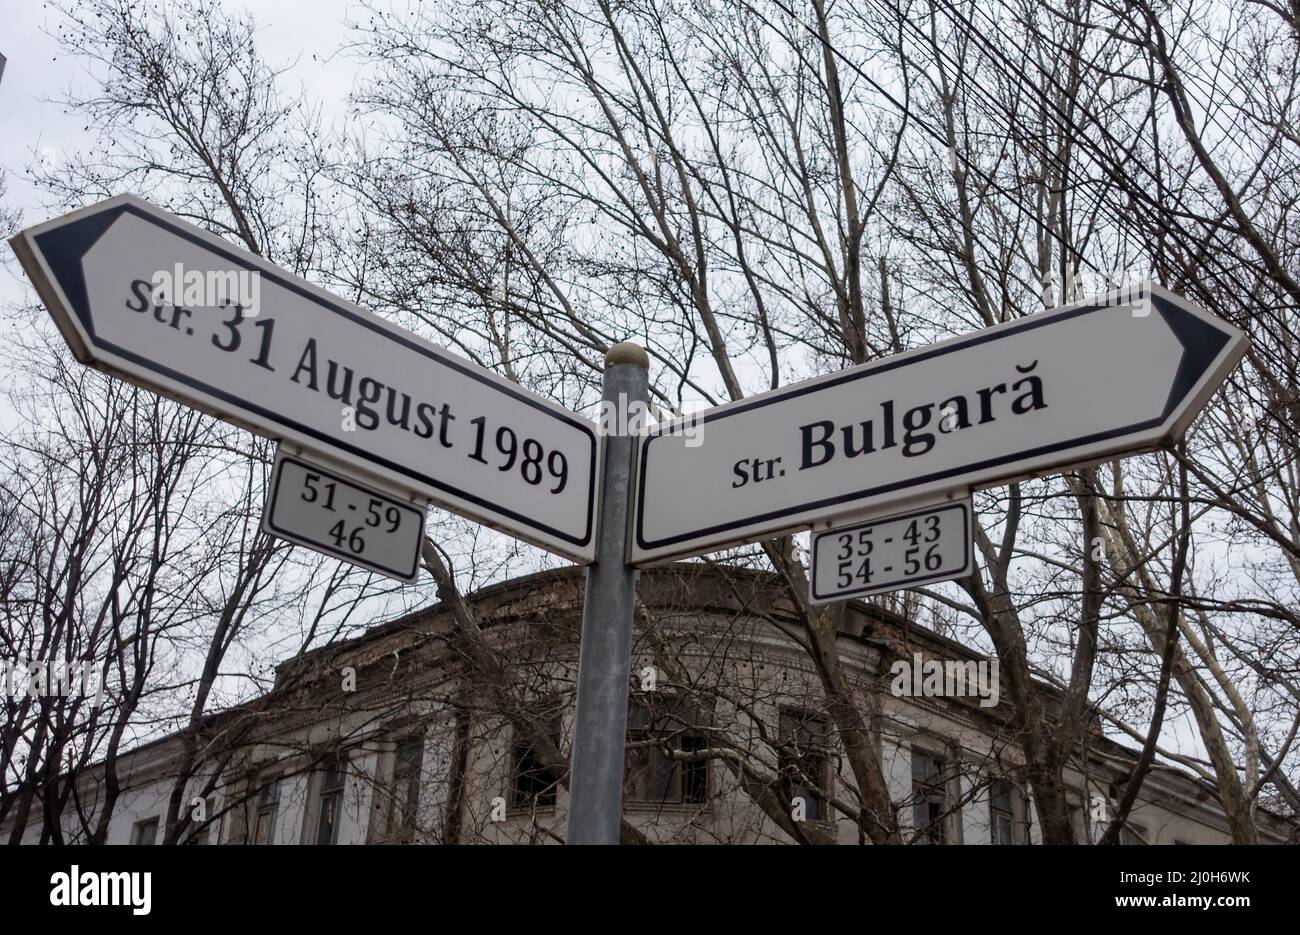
(1202, 343)
(64, 247)
(274, 495)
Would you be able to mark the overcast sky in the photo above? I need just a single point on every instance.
(34, 125)
(308, 32)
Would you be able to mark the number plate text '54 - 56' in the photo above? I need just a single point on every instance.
(887, 553)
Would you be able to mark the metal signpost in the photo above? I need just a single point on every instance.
(600, 724)
(902, 550)
(392, 412)
(326, 511)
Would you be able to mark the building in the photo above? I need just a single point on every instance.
(411, 733)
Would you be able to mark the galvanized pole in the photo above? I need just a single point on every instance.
(605, 658)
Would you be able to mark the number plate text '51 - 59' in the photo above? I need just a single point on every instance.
(323, 510)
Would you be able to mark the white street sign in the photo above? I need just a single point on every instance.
(141, 294)
(903, 550)
(326, 511)
(1070, 386)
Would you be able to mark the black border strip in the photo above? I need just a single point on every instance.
(868, 371)
(964, 506)
(279, 277)
(274, 493)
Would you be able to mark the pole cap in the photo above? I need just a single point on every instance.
(625, 352)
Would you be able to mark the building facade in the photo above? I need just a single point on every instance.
(452, 725)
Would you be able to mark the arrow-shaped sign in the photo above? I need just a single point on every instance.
(141, 294)
(1119, 375)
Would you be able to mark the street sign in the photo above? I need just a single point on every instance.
(145, 296)
(1071, 386)
(331, 513)
(921, 546)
